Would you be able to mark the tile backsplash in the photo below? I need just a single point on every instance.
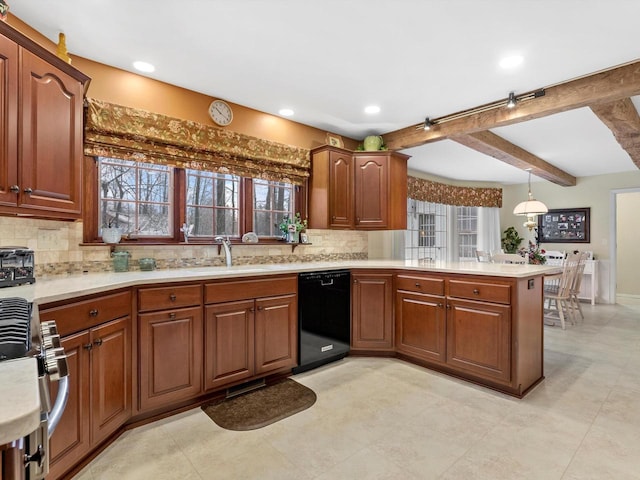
(58, 251)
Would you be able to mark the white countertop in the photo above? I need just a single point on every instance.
(64, 287)
(19, 399)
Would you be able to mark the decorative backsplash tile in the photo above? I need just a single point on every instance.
(58, 251)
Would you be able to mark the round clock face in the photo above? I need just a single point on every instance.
(220, 112)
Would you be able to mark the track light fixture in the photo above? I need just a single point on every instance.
(511, 102)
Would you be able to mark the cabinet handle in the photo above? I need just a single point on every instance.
(14, 189)
(476, 291)
(172, 315)
(172, 297)
(28, 191)
(93, 312)
(87, 346)
(418, 285)
(97, 342)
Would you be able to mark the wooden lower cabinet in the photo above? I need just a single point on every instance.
(371, 311)
(421, 326)
(247, 338)
(479, 338)
(170, 356)
(100, 391)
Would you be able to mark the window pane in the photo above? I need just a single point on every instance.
(213, 203)
(272, 201)
(135, 197)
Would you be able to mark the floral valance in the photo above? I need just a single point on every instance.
(131, 134)
(429, 191)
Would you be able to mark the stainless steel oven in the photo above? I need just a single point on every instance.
(22, 335)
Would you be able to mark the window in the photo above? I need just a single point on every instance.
(213, 203)
(426, 230)
(467, 223)
(152, 202)
(135, 197)
(272, 201)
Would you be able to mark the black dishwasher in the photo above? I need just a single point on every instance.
(324, 313)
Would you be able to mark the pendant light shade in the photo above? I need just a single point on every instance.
(530, 208)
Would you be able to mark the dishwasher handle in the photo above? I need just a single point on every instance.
(326, 284)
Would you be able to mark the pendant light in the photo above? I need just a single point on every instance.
(530, 208)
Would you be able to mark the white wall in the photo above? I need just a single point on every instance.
(628, 259)
(593, 192)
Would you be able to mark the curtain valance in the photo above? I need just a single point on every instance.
(131, 134)
(429, 191)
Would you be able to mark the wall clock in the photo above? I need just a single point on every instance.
(220, 112)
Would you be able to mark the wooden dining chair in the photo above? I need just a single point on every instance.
(577, 282)
(557, 297)
(507, 258)
(483, 256)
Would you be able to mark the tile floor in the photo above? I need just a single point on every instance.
(387, 419)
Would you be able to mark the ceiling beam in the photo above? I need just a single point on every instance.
(497, 147)
(602, 87)
(621, 116)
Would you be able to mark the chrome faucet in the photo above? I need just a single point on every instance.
(226, 243)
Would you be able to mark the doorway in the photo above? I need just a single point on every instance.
(625, 261)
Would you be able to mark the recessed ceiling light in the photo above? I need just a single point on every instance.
(371, 109)
(286, 112)
(143, 67)
(512, 61)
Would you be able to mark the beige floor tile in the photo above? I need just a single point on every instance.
(368, 464)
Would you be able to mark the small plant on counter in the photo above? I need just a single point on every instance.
(293, 224)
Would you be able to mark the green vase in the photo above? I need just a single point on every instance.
(372, 143)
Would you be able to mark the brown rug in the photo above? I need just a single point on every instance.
(262, 407)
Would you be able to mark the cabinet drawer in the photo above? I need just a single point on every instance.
(163, 298)
(88, 313)
(411, 283)
(229, 291)
(489, 292)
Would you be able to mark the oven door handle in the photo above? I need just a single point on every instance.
(58, 407)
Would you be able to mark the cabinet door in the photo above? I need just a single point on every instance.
(70, 441)
(276, 333)
(479, 338)
(170, 356)
(421, 326)
(371, 175)
(229, 342)
(110, 377)
(340, 190)
(51, 138)
(8, 121)
(371, 312)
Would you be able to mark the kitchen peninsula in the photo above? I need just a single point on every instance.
(480, 322)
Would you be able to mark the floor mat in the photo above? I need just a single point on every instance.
(262, 407)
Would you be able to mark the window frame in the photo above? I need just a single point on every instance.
(91, 205)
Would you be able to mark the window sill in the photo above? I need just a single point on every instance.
(125, 243)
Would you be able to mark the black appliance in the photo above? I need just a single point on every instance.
(22, 335)
(324, 314)
(16, 266)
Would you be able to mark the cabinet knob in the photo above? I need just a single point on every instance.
(14, 189)
(172, 315)
(448, 307)
(87, 346)
(252, 309)
(357, 219)
(93, 312)
(28, 191)
(260, 308)
(418, 285)
(172, 297)
(97, 342)
(355, 280)
(439, 305)
(476, 291)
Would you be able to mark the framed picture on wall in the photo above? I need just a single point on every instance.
(564, 225)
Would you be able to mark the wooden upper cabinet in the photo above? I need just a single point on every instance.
(362, 190)
(8, 120)
(41, 129)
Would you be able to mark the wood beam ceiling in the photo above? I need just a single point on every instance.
(621, 116)
(606, 93)
(497, 147)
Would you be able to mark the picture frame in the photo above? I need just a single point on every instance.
(565, 225)
(334, 140)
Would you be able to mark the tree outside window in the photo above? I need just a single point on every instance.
(272, 201)
(213, 203)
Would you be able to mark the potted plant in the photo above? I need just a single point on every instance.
(111, 234)
(533, 254)
(291, 227)
(511, 240)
